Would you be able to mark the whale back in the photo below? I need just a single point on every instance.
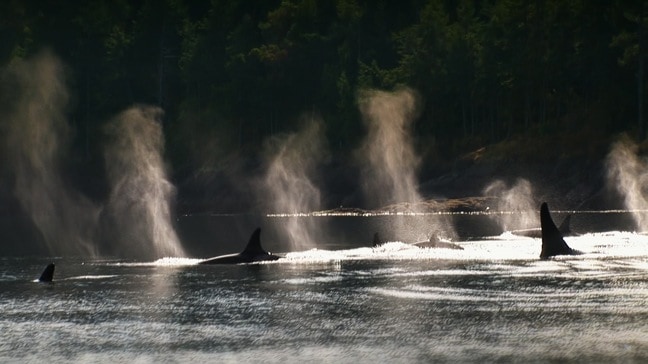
(253, 252)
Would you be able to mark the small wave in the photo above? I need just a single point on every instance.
(162, 262)
(315, 256)
(171, 261)
(99, 276)
(414, 294)
(444, 272)
(310, 280)
(546, 297)
(386, 251)
(8, 278)
(510, 235)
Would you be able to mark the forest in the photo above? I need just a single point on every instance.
(563, 76)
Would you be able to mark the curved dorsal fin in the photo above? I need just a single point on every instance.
(48, 273)
(552, 240)
(254, 244)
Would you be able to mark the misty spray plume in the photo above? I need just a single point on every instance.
(390, 173)
(389, 161)
(627, 173)
(516, 204)
(288, 183)
(37, 136)
(139, 204)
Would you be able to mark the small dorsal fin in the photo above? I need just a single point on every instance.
(48, 273)
(376, 239)
(552, 240)
(254, 244)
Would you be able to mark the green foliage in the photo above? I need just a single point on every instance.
(231, 74)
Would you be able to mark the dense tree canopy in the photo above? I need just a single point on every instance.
(231, 73)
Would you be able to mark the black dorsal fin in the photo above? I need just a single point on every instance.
(552, 240)
(48, 273)
(254, 244)
(376, 240)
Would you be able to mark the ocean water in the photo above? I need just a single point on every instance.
(493, 301)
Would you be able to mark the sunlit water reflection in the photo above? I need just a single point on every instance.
(494, 300)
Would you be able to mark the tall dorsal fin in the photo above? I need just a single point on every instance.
(48, 273)
(552, 240)
(254, 244)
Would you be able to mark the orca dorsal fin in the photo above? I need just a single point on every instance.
(376, 239)
(552, 240)
(48, 273)
(254, 244)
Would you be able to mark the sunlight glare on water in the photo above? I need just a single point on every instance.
(492, 301)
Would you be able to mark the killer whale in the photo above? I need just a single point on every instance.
(252, 253)
(48, 273)
(433, 242)
(552, 240)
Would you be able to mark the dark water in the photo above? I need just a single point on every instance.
(492, 301)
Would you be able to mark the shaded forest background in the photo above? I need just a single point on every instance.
(508, 80)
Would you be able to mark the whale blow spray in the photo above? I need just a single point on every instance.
(390, 163)
(34, 97)
(289, 182)
(627, 173)
(516, 204)
(140, 197)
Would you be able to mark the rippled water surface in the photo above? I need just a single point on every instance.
(492, 301)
